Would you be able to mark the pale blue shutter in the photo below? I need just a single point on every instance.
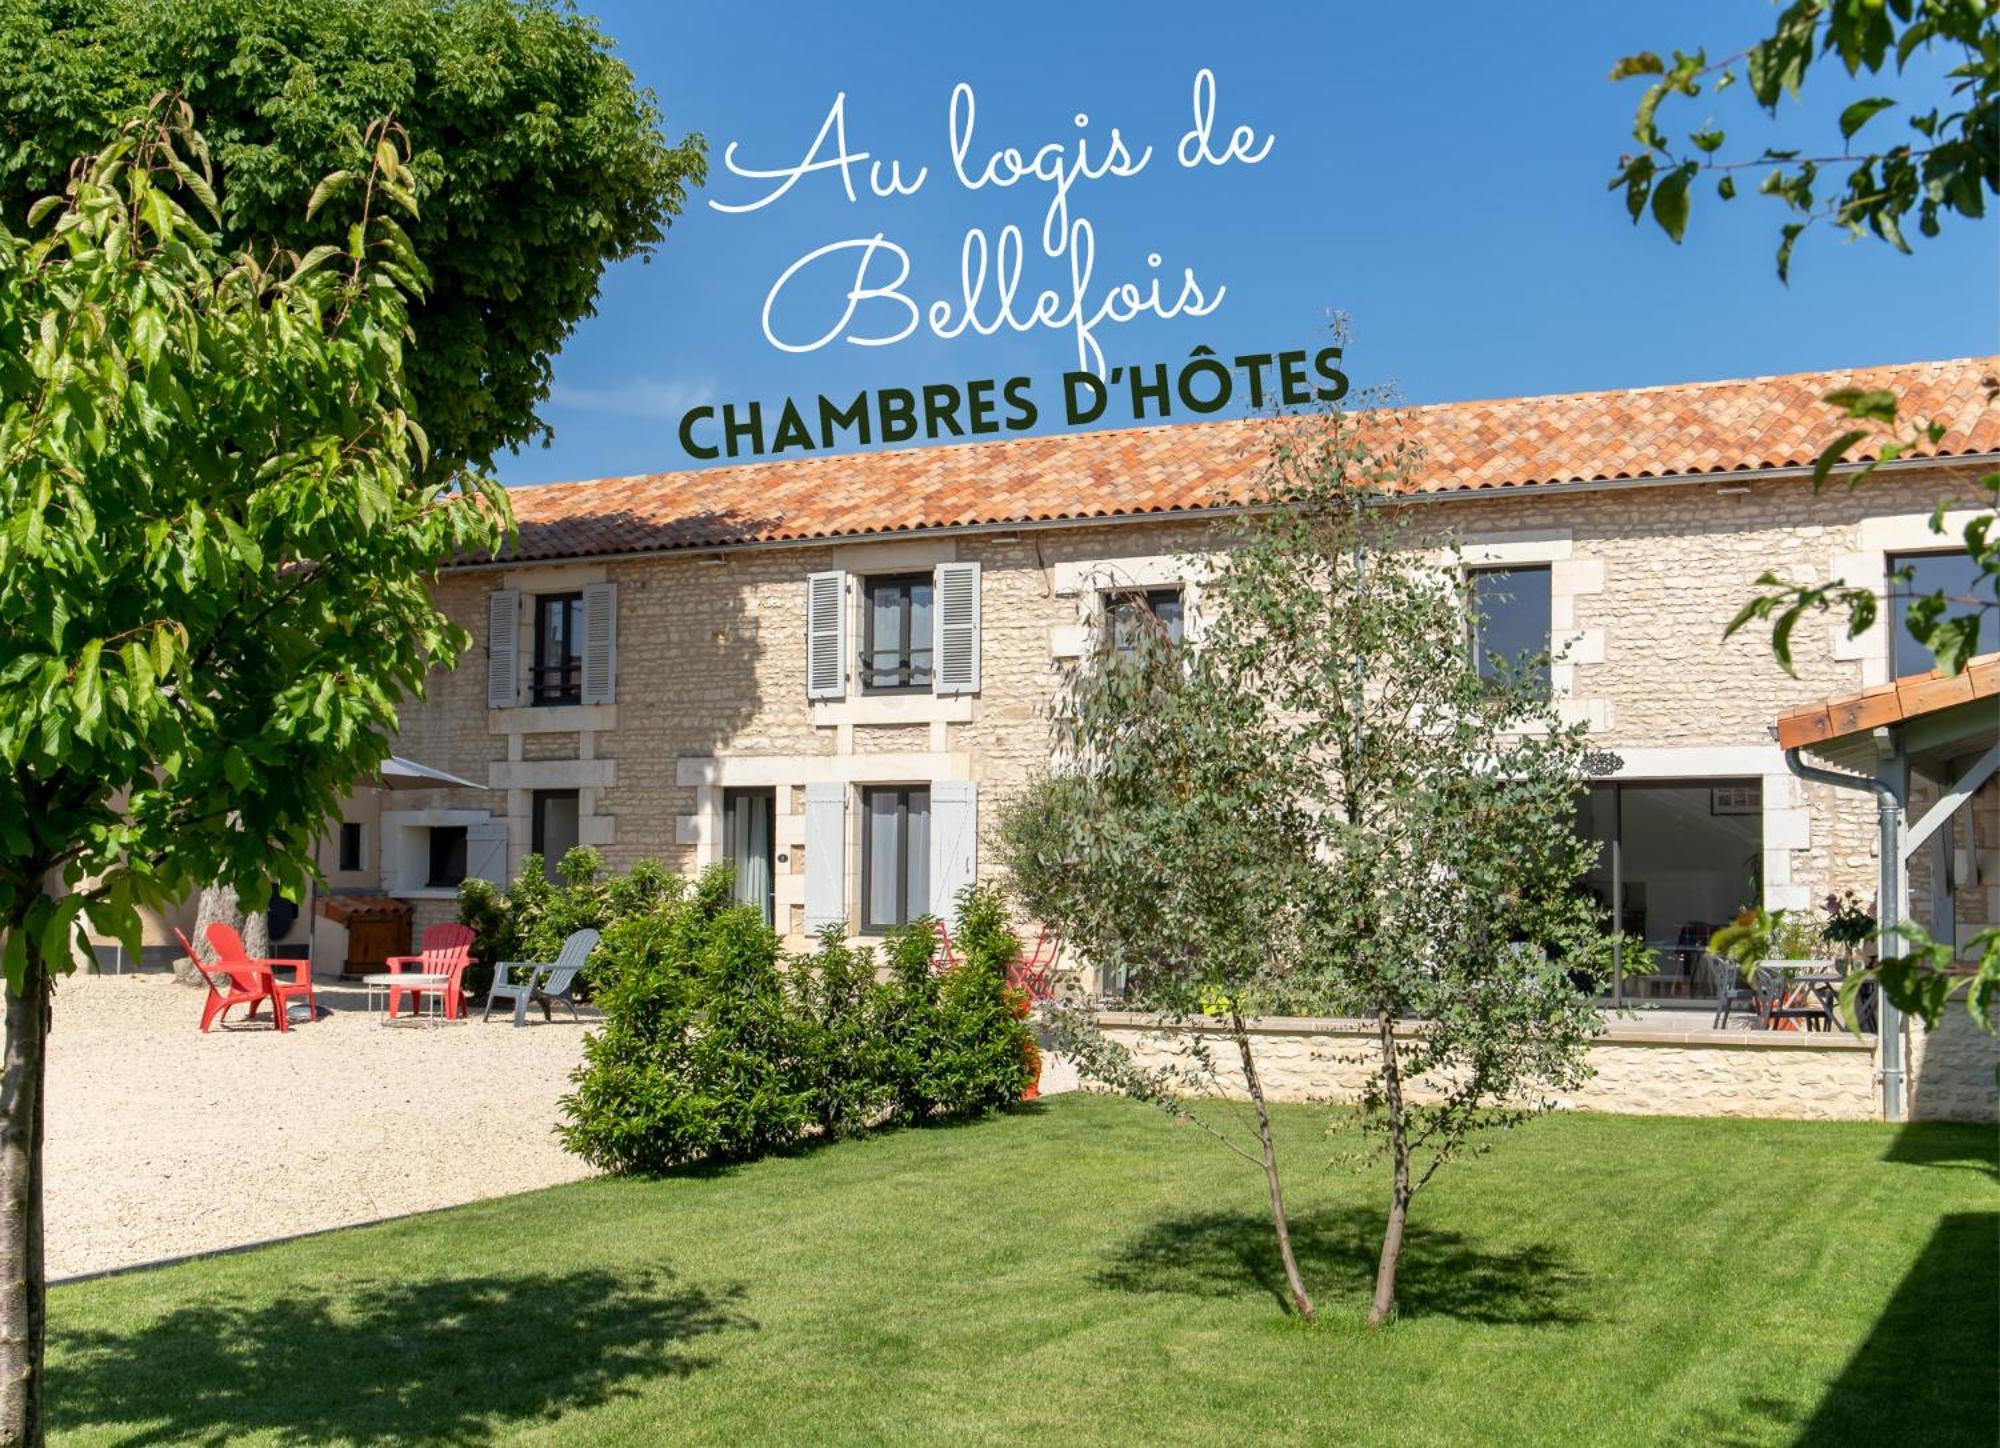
(956, 628)
(826, 636)
(503, 623)
(954, 844)
(600, 643)
(826, 856)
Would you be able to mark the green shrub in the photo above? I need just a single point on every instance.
(533, 917)
(835, 996)
(711, 1051)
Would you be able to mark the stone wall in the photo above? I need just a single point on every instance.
(711, 656)
(1645, 1072)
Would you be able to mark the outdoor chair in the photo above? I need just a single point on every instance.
(558, 984)
(446, 951)
(245, 988)
(1732, 991)
(1035, 972)
(228, 948)
(945, 956)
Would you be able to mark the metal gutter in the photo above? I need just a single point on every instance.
(1233, 510)
(1888, 914)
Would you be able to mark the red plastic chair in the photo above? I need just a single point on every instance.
(447, 951)
(945, 956)
(246, 987)
(229, 952)
(1034, 974)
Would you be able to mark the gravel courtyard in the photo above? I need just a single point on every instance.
(162, 1141)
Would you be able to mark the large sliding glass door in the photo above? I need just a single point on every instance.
(1677, 859)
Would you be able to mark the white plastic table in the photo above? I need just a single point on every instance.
(380, 984)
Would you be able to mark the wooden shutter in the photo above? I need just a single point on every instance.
(826, 636)
(486, 851)
(956, 628)
(503, 637)
(826, 856)
(600, 642)
(954, 844)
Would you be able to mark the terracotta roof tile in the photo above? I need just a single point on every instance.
(1652, 432)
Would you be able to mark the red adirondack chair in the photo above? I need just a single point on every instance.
(246, 987)
(447, 951)
(1034, 974)
(229, 951)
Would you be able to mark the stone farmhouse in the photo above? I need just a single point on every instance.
(829, 671)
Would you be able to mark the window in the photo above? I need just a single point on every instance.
(350, 845)
(558, 675)
(447, 865)
(1510, 625)
(1957, 578)
(895, 856)
(896, 651)
(1130, 613)
(1676, 861)
(553, 831)
(746, 845)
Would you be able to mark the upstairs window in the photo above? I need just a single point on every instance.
(1130, 614)
(1956, 577)
(558, 676)
(1510, 625)
(896, 647)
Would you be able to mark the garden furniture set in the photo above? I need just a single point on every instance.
(432, 979)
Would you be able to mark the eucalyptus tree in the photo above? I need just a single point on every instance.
(1324, 806)
(213, 577)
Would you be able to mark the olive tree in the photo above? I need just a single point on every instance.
(213, 578)
(1323, 805)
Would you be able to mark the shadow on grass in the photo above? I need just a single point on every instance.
(446, 1360)
(1938, 1143)
(1443, 1273)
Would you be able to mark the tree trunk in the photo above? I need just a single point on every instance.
(1296, 1283)
(1384, 1305)
(22, 1289)
(216, 906)
(257, 934)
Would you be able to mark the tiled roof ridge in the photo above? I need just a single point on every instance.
(1110, 435)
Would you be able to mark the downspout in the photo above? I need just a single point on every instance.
(1888, 913)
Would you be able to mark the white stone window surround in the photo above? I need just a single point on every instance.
(1867, 567)
(1088, 581)
(709, 776)
(1570, 578)
(404, 849)
(1786, 819)
(858, 562)
(545, 718)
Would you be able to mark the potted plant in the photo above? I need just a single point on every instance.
(1849, 926)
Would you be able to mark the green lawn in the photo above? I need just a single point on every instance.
(1087, 1272)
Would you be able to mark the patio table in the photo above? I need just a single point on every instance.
(1820, 988)
(382, 982)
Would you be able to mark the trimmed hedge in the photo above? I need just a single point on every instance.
(717, 1047)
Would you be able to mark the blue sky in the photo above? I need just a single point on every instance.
(1436, 173)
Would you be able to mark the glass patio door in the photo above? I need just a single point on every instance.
(747, 846)
(1677, 859)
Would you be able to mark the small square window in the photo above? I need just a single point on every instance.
(558, 673)
(896, 643)
(350, 845)
(1129, 614)
(1510, 625)
(447, 862)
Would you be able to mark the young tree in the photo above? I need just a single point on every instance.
(537, 159)
(1944, 165)
(213, 580)
(1324, 806)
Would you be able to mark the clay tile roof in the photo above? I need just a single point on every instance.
(1688, 430)
(1909, 697)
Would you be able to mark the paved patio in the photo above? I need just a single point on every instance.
(162, 1141)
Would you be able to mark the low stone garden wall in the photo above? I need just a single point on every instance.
(1649, 1069)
